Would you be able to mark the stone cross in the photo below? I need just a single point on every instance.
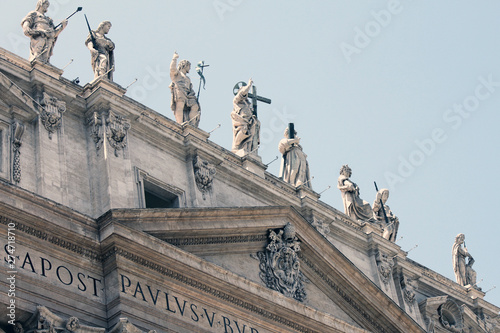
(253, 95)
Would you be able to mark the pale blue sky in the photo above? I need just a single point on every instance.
(374, 84)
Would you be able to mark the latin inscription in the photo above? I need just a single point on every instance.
(176, 305)
(51, 269)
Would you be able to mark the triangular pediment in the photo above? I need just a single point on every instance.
(234, 240)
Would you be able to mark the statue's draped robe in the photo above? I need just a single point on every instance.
(41, 47)
(246, 126)
(458, 255)
(294, 167)
(354, 206)
(104, 60)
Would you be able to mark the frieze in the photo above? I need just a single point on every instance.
(216, 240)
(205, 288)
(51, 113)
(343, 294)
(90, 254)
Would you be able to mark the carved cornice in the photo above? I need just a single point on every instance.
(345, 295)
(115, 250)
(216, 240)
(32, 231)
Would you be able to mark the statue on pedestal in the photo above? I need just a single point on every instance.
(294, 167)
(384, 216)
(464, 273)
(246, 126)
(101, 51)
(184, 102)
(354, 206)
(42, 32)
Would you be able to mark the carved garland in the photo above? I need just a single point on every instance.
(385, 265)
(204, 173)
(17, 135)
(116, 131)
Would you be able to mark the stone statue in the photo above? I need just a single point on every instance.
(459, 254)
(42, 32)
(392, 224)
(354, 206)
(184, 102)
(101, 51)
(294, 167)
(246, 126)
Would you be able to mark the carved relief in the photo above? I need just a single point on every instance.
(451, 317)
(51, 113)
(204, 173)
(280, 266)
(116, 131)
(125, 326)
(45, 321)
(322, 227)
(385, 265)
(17, 135)
(408, 287)
(96, 130)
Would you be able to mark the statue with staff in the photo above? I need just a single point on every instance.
(101, 51)
(42, 32)
(383, 214)
(184, 101)
(464, 273)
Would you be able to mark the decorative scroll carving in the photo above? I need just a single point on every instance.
(96, 130)
(280, 266)
(451, 316)
(125, 326)
(385, 265)
(116, 131)
(51, 113)
(17, 135)
(44, 321)
(204, 173)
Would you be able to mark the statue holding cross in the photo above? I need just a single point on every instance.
(246, 126)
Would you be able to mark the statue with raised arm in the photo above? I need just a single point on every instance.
(294, 167)
(386, 218)
(354, 206)
(42, 32)
(184, 102)
(246, 126)
(101, 51)
(459, 255)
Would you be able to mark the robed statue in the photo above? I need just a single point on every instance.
(294, 167)
(384, 216)
(42, 32)
(246, 126)
(101, 51)
(354, 206)
(184, 101)
(464, 273)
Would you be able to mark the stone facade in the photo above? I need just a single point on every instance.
(123, 220)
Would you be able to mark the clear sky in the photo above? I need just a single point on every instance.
(405, 92)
